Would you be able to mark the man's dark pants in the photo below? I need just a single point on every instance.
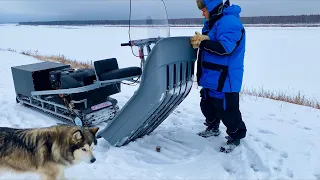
(229, 113)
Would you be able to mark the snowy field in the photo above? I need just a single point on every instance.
(279, 59)
(283, 139)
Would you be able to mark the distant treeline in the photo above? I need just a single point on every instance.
(299, 19)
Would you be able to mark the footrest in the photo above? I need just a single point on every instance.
(78, 78)
(121, 73)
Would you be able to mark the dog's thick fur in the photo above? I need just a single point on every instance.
(46, 151)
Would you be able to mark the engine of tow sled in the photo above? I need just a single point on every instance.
(92, 107)
(90, 103)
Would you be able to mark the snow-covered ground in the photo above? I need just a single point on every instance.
(283, 139)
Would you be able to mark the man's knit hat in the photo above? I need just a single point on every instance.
(209, 4)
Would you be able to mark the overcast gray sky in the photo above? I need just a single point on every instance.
(42, 10)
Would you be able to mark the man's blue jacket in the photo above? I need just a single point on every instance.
(221, 59)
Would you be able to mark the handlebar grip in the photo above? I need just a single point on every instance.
(126, 44)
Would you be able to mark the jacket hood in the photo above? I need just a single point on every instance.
(234, 10)
(211, 4)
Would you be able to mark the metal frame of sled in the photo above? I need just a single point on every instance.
(166, 81)
(106, 72)
(37, 102)
(95, 85)
(36, 97)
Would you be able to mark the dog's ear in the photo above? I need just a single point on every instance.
(77, 136)
(94, 130)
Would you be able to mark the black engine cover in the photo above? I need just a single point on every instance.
(34, 77)
(53, 76)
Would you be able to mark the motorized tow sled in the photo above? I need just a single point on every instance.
(83, 96)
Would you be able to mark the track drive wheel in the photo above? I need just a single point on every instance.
(19, 101)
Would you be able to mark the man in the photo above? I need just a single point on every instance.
(220, 69)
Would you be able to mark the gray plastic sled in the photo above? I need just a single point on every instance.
(166, 81)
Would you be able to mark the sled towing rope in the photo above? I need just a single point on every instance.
(166, 81)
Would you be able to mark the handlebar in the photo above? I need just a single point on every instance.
(126, 44)
(141, 42)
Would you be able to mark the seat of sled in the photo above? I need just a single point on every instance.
(108, 69)
(121, 73)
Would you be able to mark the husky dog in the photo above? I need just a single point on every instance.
(46, 151)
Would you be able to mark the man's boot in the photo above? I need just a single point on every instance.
(230, 145)
(211, 130)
